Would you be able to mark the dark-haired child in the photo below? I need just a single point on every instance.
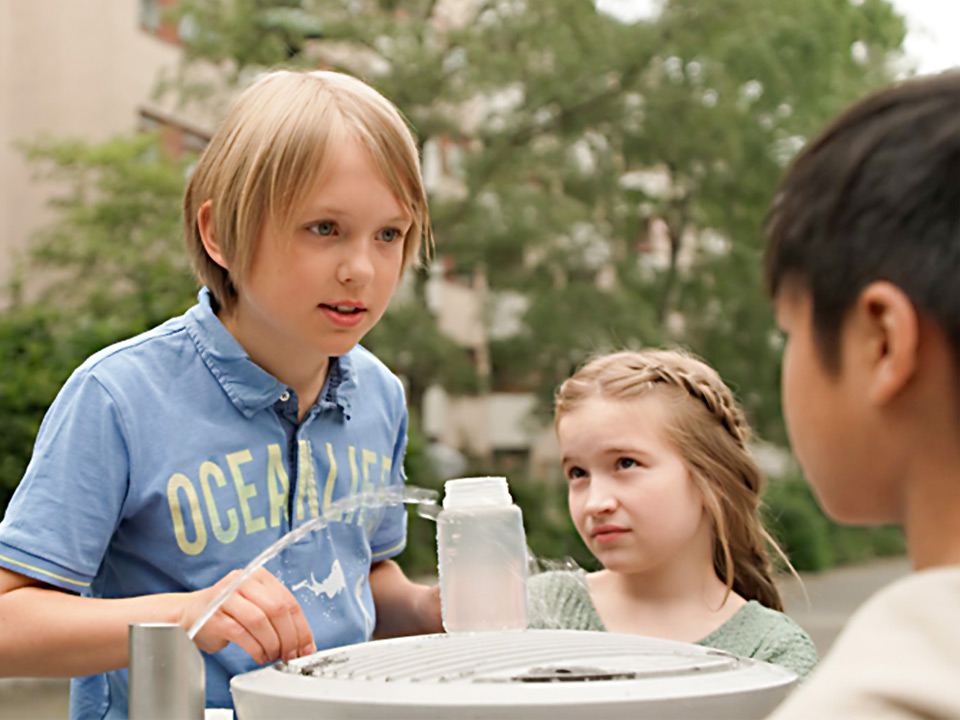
(863, 266)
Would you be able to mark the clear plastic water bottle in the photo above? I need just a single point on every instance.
(482, 553)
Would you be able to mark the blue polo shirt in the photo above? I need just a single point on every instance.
(170, 459)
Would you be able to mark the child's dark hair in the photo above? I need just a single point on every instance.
(876, 197)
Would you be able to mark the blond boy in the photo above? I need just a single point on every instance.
(173, 458)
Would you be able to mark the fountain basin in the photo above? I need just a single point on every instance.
(529, 674)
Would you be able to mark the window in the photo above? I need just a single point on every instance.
(150, 15)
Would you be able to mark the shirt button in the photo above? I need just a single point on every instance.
(285, 396)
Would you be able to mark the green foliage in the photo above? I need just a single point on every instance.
(41, 346)
(30, 376)
(410, 343)
(419, 558)
(549, 106)
(111, 267)
(798, 525)
(118, 240)
(811, 540)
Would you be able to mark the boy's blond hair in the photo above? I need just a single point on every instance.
(270, 151)
(709, 431)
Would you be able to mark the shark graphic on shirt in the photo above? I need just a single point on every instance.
(334, 582)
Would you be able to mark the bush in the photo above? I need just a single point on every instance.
(41, 347)
(811, 540)
(799, 526)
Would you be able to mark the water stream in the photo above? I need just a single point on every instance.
(427, 507)
(424, 499)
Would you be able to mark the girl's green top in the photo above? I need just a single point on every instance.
(560, 600)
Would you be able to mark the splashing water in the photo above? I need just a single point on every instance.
(543, 610)
(424, 499)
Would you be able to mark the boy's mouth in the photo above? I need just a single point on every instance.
(344, 309)
(344, 314)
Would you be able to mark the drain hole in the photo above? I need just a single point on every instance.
(571, 674)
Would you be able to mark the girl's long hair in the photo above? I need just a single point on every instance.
(709, 431)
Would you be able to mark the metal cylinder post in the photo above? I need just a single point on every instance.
(166, 674)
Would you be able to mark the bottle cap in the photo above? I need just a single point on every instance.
(476, 492)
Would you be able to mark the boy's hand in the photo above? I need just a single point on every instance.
(262, 616)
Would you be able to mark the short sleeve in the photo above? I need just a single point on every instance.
(390, 535)
(792, 649)
(60, 520)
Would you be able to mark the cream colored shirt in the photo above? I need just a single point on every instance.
(897, 658)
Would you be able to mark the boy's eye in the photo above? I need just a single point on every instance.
(626, 463)
(576, 472)
(389, 234)
(323, 228)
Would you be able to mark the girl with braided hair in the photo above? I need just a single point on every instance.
(665, 494)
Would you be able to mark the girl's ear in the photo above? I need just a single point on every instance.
(888, 323)
(205, 226)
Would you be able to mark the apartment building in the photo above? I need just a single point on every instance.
(83, 70)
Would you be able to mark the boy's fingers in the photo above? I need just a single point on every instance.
(246, 608)
(280, 607)
(222, 629)
(262, 617)
(290, 620)
(241, 636)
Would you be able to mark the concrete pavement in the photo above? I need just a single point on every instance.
(29, 699)
(833, 596)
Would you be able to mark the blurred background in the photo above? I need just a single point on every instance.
(598, 176)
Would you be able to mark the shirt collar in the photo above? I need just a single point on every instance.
(250, 387)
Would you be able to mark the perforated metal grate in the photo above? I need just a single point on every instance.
(500, 657)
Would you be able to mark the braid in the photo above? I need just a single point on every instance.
(709, 390)
(642, 370)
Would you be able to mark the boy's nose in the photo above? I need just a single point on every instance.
(356, 266)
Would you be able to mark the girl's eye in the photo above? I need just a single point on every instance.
(389, 234)
(626, 463)
(323, 228)
(576, 473)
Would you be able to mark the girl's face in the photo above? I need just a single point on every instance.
(631, 496)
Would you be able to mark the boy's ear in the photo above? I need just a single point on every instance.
(889, 323)
(205, 226)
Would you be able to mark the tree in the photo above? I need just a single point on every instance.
(516, 89)
(111, 266)
(561, 116)
(118, 238)
(738, 88)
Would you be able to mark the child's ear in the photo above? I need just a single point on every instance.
(205, 226)
(889, 323)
